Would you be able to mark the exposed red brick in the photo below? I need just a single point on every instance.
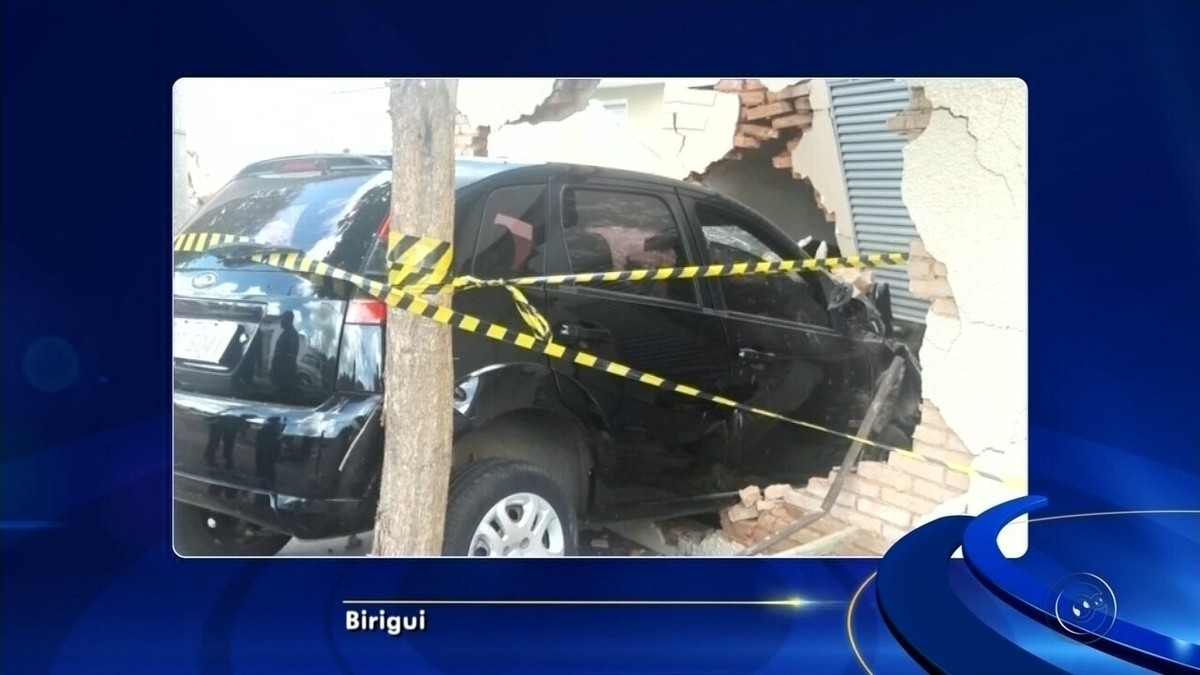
(912, 503)
(884, 474)
(932, 491)
(791, 121)
(759, 131)
(749, 495)
(746, 142)
(891, 533)
(942, 453)
(867, 523)
(769, 110)
(730, 85)
(859, 485)
(753, 97)
(945, 307)
(776, 491)
(929, 435)
(875, 544)
(886, 512)
(915, 467)
(794, 91)
(802, 105)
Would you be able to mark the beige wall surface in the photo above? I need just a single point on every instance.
(966, 187)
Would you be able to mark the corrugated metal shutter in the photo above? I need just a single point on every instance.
(872, 161)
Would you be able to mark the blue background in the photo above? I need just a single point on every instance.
(89, 581)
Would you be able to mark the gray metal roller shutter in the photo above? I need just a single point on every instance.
(872, 161)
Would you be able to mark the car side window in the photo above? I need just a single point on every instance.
(512, 234)
(615, 230)
(728, 239)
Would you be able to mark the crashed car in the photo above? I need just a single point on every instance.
(278, 376)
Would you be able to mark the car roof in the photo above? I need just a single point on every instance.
(468, 170)
(472, 170)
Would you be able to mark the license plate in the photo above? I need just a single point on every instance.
(204, 341)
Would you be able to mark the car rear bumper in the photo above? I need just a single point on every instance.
(309, 472)
(301, 517)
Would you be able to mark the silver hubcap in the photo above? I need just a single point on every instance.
(522, 525)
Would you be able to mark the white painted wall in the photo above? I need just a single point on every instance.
(232, 122)
(966, 187)
(672, 130)
(591, 136)
(816, 158)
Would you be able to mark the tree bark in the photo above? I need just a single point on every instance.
(418, 372)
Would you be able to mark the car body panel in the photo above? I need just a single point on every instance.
(654, 434)
(285, 430)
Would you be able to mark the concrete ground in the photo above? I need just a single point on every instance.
(592, 542)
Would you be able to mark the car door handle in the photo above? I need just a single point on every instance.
(574, 332)
(755, 356)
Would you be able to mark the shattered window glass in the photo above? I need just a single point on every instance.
(785, 295)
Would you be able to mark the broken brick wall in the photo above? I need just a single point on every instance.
(965, 185)
(488, 104)
(816, 159)
(469, 141)
(928, 279)
(757, 169)
(886, 499)
(771, 191)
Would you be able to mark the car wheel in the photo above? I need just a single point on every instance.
(889, 435)
(200, 532)
(505, 508)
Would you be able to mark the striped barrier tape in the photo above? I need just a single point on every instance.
(427, 265)
(422, 264)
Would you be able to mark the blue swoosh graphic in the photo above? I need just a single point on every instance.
(912, 586)
(1023, 592)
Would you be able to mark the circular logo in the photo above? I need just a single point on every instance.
(204, 280)
(1084, 605)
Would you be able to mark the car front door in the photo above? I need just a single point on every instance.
(786, 356)
(658, 437)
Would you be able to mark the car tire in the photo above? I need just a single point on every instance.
(889, 435)
(200, 532)
(488, 506)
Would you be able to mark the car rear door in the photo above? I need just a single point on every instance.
(785, 355)
(255, 346)
(660, 327)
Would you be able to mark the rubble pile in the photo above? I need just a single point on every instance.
(762, 512)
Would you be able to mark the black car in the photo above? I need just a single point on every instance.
(278, 377)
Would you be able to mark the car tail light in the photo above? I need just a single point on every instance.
(367, 311)
(301, 166)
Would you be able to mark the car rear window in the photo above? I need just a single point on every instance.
(329, 217)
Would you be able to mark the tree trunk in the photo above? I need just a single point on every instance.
(418, 373)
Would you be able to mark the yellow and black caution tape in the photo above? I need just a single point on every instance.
(425, 263)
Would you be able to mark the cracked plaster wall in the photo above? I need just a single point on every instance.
(816, 159)
(682, 131)
(965, 186)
